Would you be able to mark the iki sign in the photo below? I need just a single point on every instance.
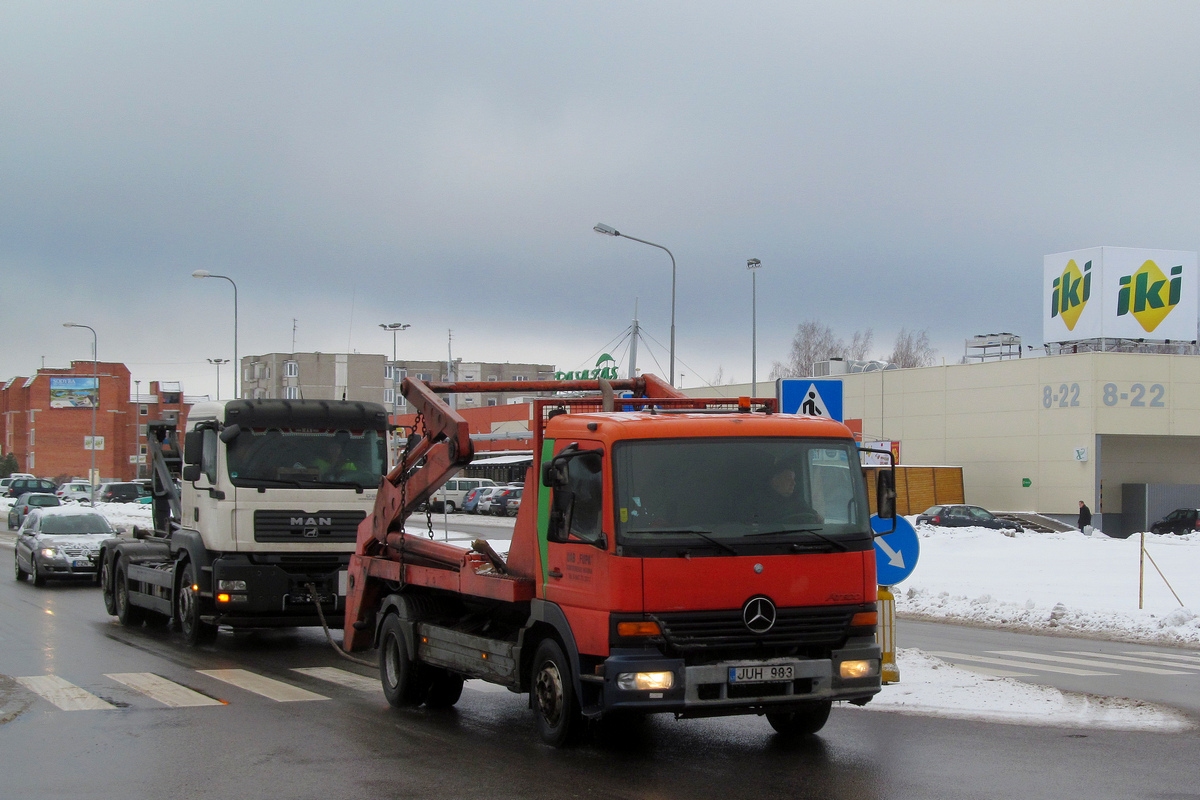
(606, 368)
(1120, 293)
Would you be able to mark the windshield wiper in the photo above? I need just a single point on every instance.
(695, 531)
(814, 531)
(251, 483)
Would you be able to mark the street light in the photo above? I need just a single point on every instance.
(203, 273)
(394, 327)
(95, 401)
(752, 265)
(608, 230)
(217, 362)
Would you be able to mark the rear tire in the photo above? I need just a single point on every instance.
(404, 683)
(555, 707)
(445, 687)
(187, 610)
(128, 614)
(107, 590)
(801, 722)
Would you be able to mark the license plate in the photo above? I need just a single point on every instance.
(772, 673)
(80, 562)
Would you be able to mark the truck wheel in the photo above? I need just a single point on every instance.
(404, 685)
(445, 688)
(20, 572)
(187, 610)
(555, 706)
(106, 585)
(127, 614)
(801, 722)
(38, 580)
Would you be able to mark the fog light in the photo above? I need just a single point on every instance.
(231, 586)
(645, 681)
(860, 669)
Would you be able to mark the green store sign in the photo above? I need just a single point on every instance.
(606, 369)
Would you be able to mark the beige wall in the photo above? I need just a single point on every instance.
(1004, 421)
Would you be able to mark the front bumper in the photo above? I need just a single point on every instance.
(705, 690)
(274, 595)
(72, 567)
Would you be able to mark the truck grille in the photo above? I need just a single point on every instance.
(712, 631)
(307, 526)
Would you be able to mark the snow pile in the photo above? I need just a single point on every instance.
(931, 687)
(124, 516)
(1063, 582)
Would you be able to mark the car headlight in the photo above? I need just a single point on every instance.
(49, 552)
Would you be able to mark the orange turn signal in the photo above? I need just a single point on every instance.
(638, 629)
(864, 618)
(222, 598)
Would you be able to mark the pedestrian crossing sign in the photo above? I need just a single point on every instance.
(818, 398)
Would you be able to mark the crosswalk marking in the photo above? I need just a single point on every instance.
(1191, 658)
(350, 680)
(1005, 662)
(1176, 664)
(261, 685)
(164, 691)
(1084, 662)
(63, 694)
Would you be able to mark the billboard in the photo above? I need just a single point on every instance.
(1120, 293)
(74, 393)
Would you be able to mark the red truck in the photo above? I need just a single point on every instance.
(701, 557)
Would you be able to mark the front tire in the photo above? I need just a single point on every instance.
(187, 610)
(404, 684)
(38, 578)
(20, 572)
(555, 707)
(801, 722)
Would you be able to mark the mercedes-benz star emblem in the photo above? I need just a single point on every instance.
(759, 614)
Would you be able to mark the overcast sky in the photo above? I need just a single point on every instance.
(893, 165)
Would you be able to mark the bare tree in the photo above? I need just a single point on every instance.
(815, 342)
(912, 349)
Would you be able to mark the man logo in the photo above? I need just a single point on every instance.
(759, 614)
(1071, 293)
(310, 527)
(1153, 295)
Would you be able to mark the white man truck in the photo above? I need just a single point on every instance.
(264, 516)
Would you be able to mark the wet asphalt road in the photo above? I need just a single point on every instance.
(352, 744)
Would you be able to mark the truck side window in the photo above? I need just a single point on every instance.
(208, 456)
(585, 480)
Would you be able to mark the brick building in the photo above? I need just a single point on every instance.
(46, 420)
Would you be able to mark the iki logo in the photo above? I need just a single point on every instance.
(1149, 294)
(1071, 292)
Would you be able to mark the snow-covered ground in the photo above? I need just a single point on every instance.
(1056, 582)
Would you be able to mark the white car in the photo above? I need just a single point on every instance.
(484, 504)
(74, 490)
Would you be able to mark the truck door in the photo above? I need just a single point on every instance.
(576, 573)
(205, 513)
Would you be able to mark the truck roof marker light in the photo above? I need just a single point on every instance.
(646, 628)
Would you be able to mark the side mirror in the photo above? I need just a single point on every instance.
(191, 472)
(554, 473)
(229, 433)
(193, 449)
(885, 494)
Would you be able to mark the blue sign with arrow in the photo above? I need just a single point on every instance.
(896, 553)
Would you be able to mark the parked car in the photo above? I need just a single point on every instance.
(965, 517)
(74, 490)
(507, 501)
(1179, 521)
(22, 485)
(483, 504)
(453, 494)
(472, 499)
(125, 492)
(60, 543)
(25, 503)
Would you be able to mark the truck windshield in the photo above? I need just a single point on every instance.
(307, 458)
(739, 491)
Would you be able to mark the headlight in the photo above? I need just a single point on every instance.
(859, 669)
(231, 586)
(645, 681)
(49, 552)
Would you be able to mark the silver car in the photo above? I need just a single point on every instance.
(61, 543)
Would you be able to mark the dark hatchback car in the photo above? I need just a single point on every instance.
(129, 492)
(965, 517)
(1179, 521)
(20, 486)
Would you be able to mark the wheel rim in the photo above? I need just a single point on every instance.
(550, 693)
(122, 595)
(391, 662)
(187, 600)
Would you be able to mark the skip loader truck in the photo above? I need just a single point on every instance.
(260, 530)
(701, 557)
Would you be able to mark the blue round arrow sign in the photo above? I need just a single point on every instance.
(896, 553)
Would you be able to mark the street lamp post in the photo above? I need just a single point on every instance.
(217, 362)
(137, 420)
(753, 264)
(203, 273)
(95, 401)
(608, 230)
(394, 327)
